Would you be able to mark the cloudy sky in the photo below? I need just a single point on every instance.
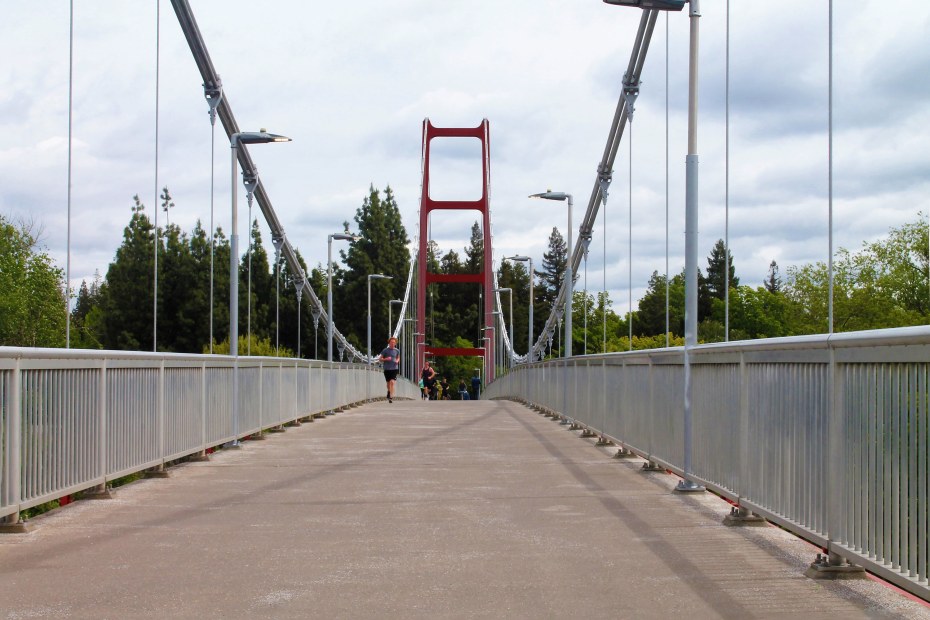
(352, 82)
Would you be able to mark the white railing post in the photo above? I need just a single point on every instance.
(14, 464)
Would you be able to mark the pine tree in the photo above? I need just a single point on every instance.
(474, 253)
(382, 249)
(717, 264)
(773, 280)
(263, 290)
(554, 265)
(127, 303)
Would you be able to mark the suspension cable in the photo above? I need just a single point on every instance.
(630, 234)
(157, 69)
(70, 117)
(667, 326)
(726, 192)
(604, 299)
(830, 165)
(212, 228)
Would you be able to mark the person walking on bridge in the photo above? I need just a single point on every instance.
(390, 358)
(428, 375)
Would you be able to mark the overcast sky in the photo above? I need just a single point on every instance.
(352, 82)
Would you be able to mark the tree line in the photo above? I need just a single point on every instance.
(882, 284)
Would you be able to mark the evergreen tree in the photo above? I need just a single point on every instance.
(650, 317)
(474, 253)
(554, 264)
(772, 279)
(514, 275)
(381, 249)
(86, 318)
(220, 287)
(127, 303)
(288, 311)
(717, 264)
(263, 290)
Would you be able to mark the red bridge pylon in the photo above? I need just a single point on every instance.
(483, 278)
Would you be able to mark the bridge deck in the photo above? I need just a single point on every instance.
(417, 510)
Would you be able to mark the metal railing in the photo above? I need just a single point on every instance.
(827, 436)
(71, 420)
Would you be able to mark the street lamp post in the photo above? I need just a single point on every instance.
(691, 215)
(235, 140)
(487, 361)
(373, 276)
(529, 346)
(416, 351)
(509, 292)
(329, 287)
(405, 335)
(498, 341)
(569, 267)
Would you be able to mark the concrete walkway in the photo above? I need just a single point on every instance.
(418, 510)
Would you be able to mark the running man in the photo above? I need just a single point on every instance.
(390, 357)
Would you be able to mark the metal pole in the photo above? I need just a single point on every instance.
(234, 291)
(157, 73)
(570, 274)
(512, 351)
(234, 258)
(691, 238)
(70, 134)
(329, 299)
(277, 302)
(369, 319)
(529, 346)
(830, 170)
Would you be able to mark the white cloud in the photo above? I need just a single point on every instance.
(351, 84)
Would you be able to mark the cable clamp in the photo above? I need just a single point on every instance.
(630, 93)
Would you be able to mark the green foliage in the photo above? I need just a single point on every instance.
(32, 305)
(127, 302)
(381, 249)
(87, 316)
(455, 368)
(261, 347)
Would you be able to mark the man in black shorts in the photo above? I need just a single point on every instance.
(390, 357)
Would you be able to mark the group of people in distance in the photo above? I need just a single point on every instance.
(432, 387)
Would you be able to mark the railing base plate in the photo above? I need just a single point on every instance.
(740, 517)
(822, 568)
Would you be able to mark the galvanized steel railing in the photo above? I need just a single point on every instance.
(71, 420)
(827, 436)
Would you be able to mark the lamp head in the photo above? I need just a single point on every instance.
(257, 137)
(658, 5)
(550, 195)
(344, 237)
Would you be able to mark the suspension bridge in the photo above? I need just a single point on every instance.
(760, 478)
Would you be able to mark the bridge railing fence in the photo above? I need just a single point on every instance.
(72, 420)
(827, 436)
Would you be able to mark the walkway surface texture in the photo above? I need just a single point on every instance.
(418, 510)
